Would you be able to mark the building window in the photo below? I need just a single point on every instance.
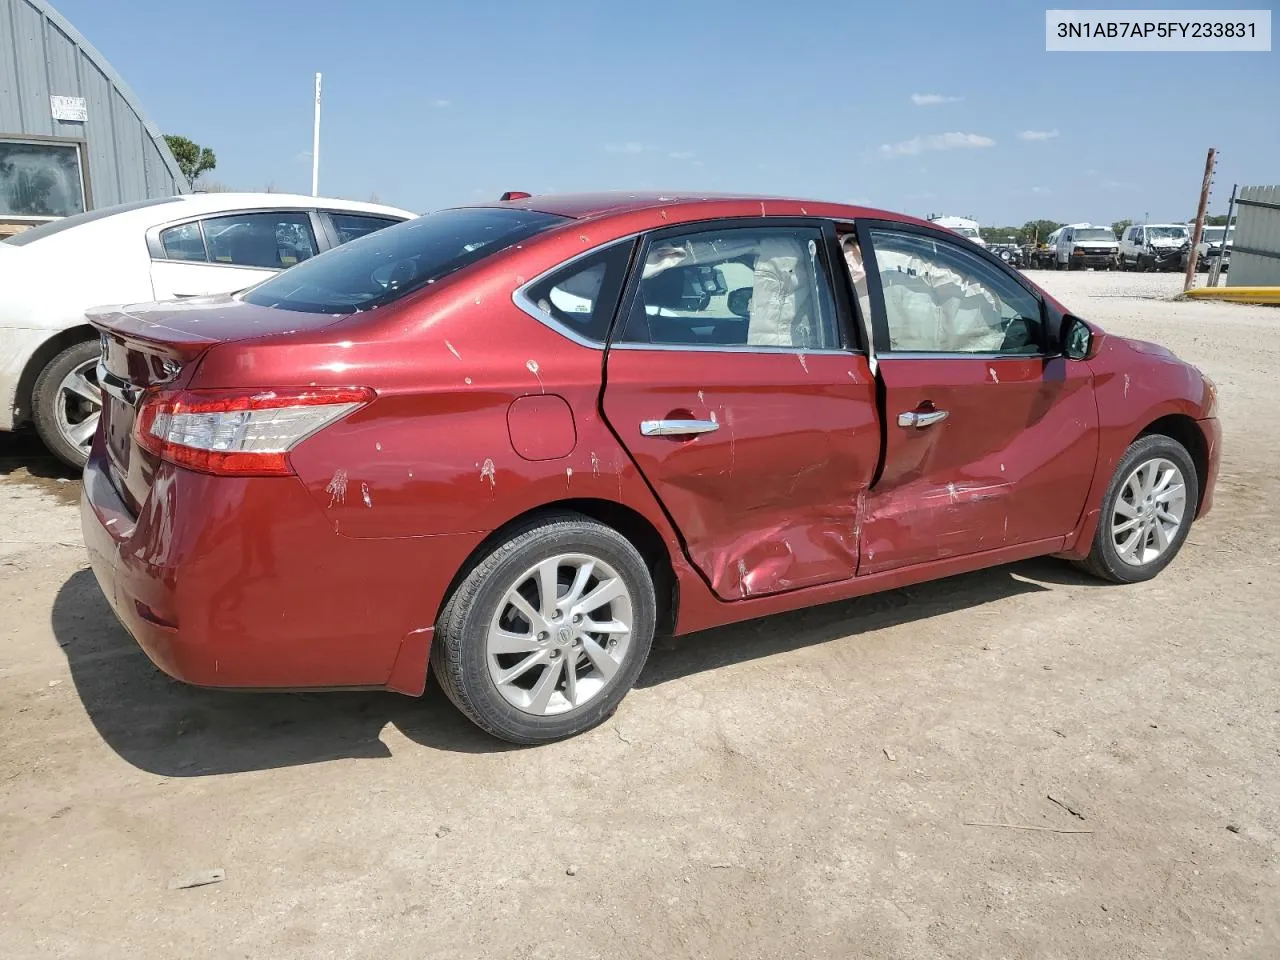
(40, 179)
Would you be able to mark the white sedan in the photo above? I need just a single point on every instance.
(150, 250)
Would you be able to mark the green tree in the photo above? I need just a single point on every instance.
(192, 158)
(1034, 231)
(1120, 226)
(1216, 221)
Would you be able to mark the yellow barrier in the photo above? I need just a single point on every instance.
(1267, 295)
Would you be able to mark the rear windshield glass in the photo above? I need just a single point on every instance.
(66, 223)
(384, 266)
(1096, 233)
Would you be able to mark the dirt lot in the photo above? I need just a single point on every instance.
(799, 786)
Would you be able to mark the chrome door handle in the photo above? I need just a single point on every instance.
(922, 418)
(677, 428)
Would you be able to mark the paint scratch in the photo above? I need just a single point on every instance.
(701, 398)
(337, 488)
(853, 376)
(951, 492)
(489, 472)
(568, 476)
(595, 465)
(742, 574)
(377, 445)
(1126, 386)
(453, 350)
(467, 381)
(804, 361)
(992, 371)
(364, 495)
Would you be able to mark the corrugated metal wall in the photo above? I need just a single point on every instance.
(1255, 249)
(42, 55)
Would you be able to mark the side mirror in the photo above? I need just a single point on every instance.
(1077, 338)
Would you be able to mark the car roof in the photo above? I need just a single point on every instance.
(214, 202)
(591, 206)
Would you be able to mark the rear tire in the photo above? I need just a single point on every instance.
(1155, 483)
(66, 403)
(527, 667)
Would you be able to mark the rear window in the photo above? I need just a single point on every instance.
(386, 265)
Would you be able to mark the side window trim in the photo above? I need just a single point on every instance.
(880, 322)
(631, 290)
(520, 296)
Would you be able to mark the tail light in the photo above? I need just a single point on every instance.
(246, 433)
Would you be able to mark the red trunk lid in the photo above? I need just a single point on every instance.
(153, 343)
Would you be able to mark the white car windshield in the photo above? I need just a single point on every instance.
(1097, 233)
(969, 232)
(1167, 233)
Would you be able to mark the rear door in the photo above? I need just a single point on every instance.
(229, 252)
(737, 391)
(991, 436)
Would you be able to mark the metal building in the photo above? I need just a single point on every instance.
(1255, 250)
(72, 135)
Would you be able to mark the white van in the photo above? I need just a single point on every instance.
(1082, 245)
(1153, 246)
(967, 228)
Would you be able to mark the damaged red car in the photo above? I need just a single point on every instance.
(511, 441)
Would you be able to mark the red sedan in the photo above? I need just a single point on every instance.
(515, 440)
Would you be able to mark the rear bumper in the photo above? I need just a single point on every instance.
(230, 582)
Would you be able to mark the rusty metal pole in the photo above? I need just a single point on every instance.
(1199, 229)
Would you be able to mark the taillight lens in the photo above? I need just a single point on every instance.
(239, 432)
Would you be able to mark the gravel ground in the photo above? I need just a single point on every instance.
(804, 785)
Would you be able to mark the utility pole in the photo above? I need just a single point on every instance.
(1193, 254)
(315, 145)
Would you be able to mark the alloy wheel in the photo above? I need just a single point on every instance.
(1149, 512)
(561, 632)
(79, 405)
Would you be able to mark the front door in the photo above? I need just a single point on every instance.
(729, 383)
(991, 439)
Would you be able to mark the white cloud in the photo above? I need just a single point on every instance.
(1041, 190)
(441, 104)
(932, 99)
(681, 154)
(935, 141)
(1038, 134)
(631, 146)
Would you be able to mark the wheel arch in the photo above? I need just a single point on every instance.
(23, 397)
(633, 525)
(1184, 430)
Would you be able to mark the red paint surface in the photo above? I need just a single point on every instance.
(335, 576)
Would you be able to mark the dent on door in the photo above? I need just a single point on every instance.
(767, 500)
(1011, 463)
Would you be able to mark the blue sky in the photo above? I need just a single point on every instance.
(925, 107)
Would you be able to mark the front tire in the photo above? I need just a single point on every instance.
(1146, 513)
(546, 635)
(67, 403)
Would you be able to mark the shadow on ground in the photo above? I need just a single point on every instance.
(173, 730)
(24, 458)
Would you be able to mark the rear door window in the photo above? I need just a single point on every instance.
(273, 241)
(766, 288)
